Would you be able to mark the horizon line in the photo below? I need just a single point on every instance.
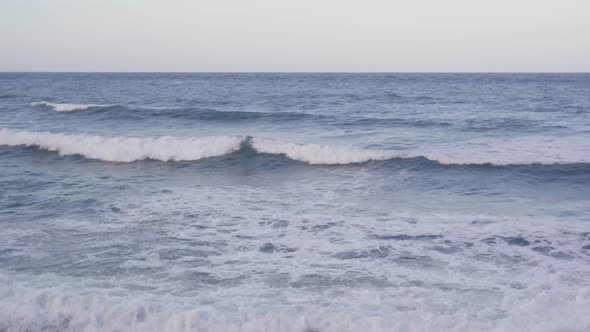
(294, 72)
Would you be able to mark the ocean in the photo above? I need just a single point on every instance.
(294, 202)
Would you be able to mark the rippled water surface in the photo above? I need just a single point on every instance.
(294, 202)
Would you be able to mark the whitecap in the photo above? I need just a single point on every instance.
(65, 107)
(518, 151)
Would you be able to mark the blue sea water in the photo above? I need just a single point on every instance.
(294, 202)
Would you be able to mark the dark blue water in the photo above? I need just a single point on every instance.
(294, 202)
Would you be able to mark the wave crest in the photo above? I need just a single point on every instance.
(124, 149)
(128, 149)
(323, 154)
(66, 107)
(526, 151)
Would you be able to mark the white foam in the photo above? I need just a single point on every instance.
(124, 149)
(472, 293)
(127, 149)
(65, 107)
(507, 151)
(514, 151)
(323, 154)
(24, 307)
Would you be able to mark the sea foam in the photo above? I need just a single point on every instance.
(323, 154)
(65, 107)
(523, 151)
(54, 308)
(124, 149)
(128, 149)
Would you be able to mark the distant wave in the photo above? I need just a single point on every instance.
(389, 122)
(65, 107)
(165, 148)
(132, 113)
(194, 113)
(7, 95)
(208, 114)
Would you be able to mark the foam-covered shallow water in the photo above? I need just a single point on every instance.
(294, 202)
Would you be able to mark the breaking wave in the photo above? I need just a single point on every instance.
(124, 149)
(24, 308)
(66, 107)
(323, 154)
(166, 148)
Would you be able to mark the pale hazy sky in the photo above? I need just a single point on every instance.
(295, 35)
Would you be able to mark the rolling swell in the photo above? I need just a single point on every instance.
(166, 148)
(208, 114)
(116, 112)
(130, 113)
(7, 95)
(120, 112)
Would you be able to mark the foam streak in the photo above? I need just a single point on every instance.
(65, 107)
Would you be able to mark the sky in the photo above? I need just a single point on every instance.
(295, 35)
